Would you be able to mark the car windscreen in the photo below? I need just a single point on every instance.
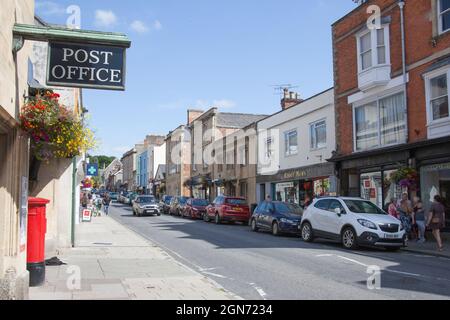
(236, 202)
(146, 200)
(288, 208)
(183, 200)
(200, 202)
(361, 206)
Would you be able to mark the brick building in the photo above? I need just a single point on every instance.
(391, 97)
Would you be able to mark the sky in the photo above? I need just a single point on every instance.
(203, 53)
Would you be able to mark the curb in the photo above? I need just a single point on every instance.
(427, 253)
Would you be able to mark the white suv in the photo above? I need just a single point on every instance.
(353, 222)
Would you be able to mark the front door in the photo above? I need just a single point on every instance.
(334, 222)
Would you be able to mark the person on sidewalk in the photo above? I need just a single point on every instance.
(106, 203)
(419, 219)
(84, 201)
(405, 210)
(436, 220)
(392, 209)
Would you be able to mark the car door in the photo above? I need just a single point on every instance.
(261, 213)
(333, 222)
(268, 215)
(320, 215)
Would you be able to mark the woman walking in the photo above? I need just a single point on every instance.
(436, 220)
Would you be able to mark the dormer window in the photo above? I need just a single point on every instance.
(374, 67)
(372, 48)
(444, 15)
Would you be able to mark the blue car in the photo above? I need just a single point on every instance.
(277, 217)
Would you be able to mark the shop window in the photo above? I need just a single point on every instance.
(371, 187)
(318, 132)
(444, 15)
(287, 192)
(291, 142)
(380, 123)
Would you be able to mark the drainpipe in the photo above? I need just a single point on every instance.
(401, 5)
(74, 177)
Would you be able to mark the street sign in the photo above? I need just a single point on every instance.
(86, 66)
(92, 169)
(87, 215)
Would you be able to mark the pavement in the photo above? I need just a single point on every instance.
(430, 246)
(259, 266)
(110, 261)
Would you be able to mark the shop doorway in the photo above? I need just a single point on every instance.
(445, 193)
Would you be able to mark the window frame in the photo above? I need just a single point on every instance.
(287, 151)
(312, 127)
(440, 16)
(428, 77)
(374, 48)
(377, 100)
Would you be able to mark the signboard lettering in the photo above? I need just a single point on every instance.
(86, 66)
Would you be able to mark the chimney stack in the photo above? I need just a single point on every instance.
(193, 115)
(290, 99)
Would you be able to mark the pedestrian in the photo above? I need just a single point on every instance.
(406, 211)
(106, 203)
(419, 219)
(392, 209)
(307, 202)
(84, 201)
(436, 220)
(268, 198)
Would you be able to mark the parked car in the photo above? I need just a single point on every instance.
(146, 205)
(231, 209)
(114, 196)
(132, 198)
(353, 222)
(277, 217)
(195, 208)
(177, 205)
(165, 204)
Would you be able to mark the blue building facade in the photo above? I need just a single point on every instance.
(143, 171)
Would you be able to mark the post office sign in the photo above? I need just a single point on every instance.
(86, 66)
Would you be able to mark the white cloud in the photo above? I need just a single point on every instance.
(139, 26)
(49, 8)
(224, 103)
(157, 25)
(221, 104)
(105, 18)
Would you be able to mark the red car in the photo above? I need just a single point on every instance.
(195, 208)
(231, 209)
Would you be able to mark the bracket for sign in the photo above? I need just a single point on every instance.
(22, 32)
(18, 43)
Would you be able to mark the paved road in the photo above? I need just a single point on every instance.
(261, 266)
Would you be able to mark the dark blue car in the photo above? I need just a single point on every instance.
(277, 217)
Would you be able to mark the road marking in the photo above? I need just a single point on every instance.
(354, 261)
(323, 255)
(260, 291)
(214, 274)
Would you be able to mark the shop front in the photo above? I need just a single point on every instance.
(421, 169)
(296, 185)
(200, 187)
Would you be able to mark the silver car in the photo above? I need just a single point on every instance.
(146, 205)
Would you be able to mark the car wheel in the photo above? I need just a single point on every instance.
(217, 219)
(275, 229)
(349, 239)
(254, 226)
(307, 232)
(206, 217)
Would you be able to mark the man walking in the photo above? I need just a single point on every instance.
(106, 202)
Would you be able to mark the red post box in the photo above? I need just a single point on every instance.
(37, 227)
